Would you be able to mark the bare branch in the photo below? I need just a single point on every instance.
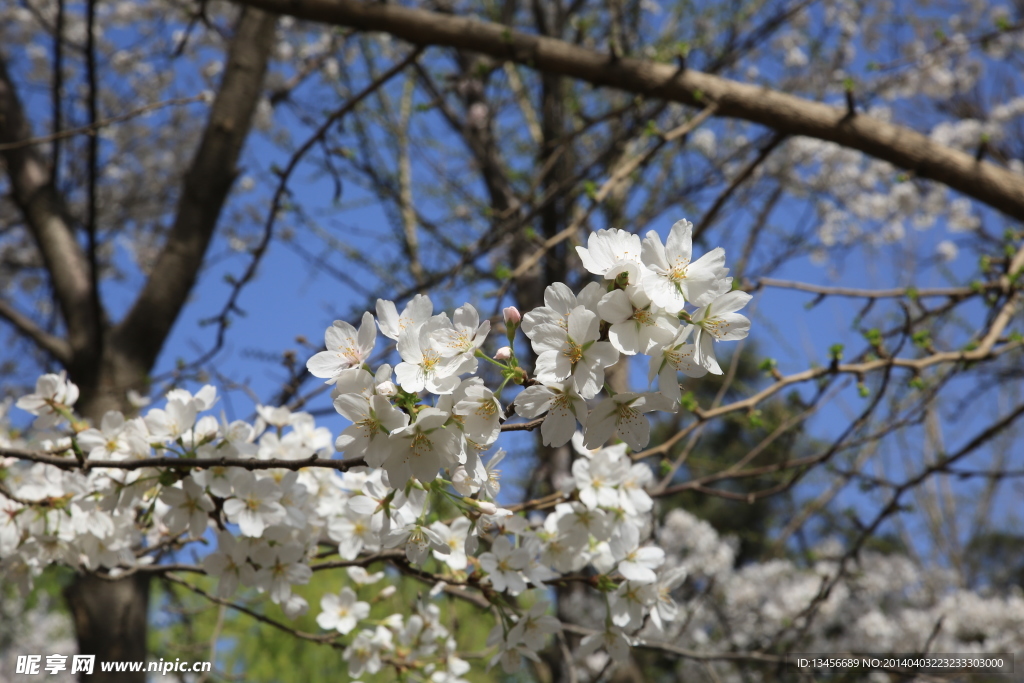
(206, 185)
(55, 346)
(102, 123)
(47, 219)
(998, 187)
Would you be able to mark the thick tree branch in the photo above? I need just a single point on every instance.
(206, 185)
(25, 326)
(901, 146)
(47, 219)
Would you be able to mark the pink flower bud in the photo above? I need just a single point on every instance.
(504, 353)
(512, 316)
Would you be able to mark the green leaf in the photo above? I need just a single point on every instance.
(688, 401)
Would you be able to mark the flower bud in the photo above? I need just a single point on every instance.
(504, 353)
(512, 316)
(387, 389)
(387, 592)
(484, 507)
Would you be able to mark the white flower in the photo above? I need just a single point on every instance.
(611, 252)
(419, 540)
(229, 563)
(116, 439)
(675, 357)
(52, 390)
(611, 639)
(597, 477)
(362, 577)
(363, 655)
(719, 321)
(503, 565)
(635, 563)
(346, 348)
(510, 652)
(535, 626)
(255, 505)
(417, 312)
(578, 523)
(372, 422)
(190, 508)
(947, 250)
(279, 416)
(374, 499)
(636, 324)
(481, 413)
(565, 552)
(216, 479)
(629, 602)
(564, 408)
(422, 448)
(204, 399)
(342, 612)
(281, 567)
(632, 496)
(623, 413)
(673, 280)
(355, 531)
(559, 301)
(173, 422)
(424, 367)
(576, 352)
(10, 534)
(454, 537)
(359, 381)
(491, 484)
(465, 333)
(665, 608)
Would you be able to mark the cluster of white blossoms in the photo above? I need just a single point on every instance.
(640, 308)
(416, 487)
(416, 490)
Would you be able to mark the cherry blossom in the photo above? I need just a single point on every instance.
(623, 413)
(392, 325)
(611, 252)
(504, 565)
(673, 280)
(577, 352)
(718, 321)
(342, 612)
(346, 348)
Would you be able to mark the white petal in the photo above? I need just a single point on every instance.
(615, 307)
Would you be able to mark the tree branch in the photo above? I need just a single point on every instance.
(47, 219)
(901, 146)
(205, 188)
(55, 346)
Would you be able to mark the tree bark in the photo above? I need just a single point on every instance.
(110, 620)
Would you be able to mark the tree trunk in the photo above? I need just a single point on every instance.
(110, 617)
(110, 620)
